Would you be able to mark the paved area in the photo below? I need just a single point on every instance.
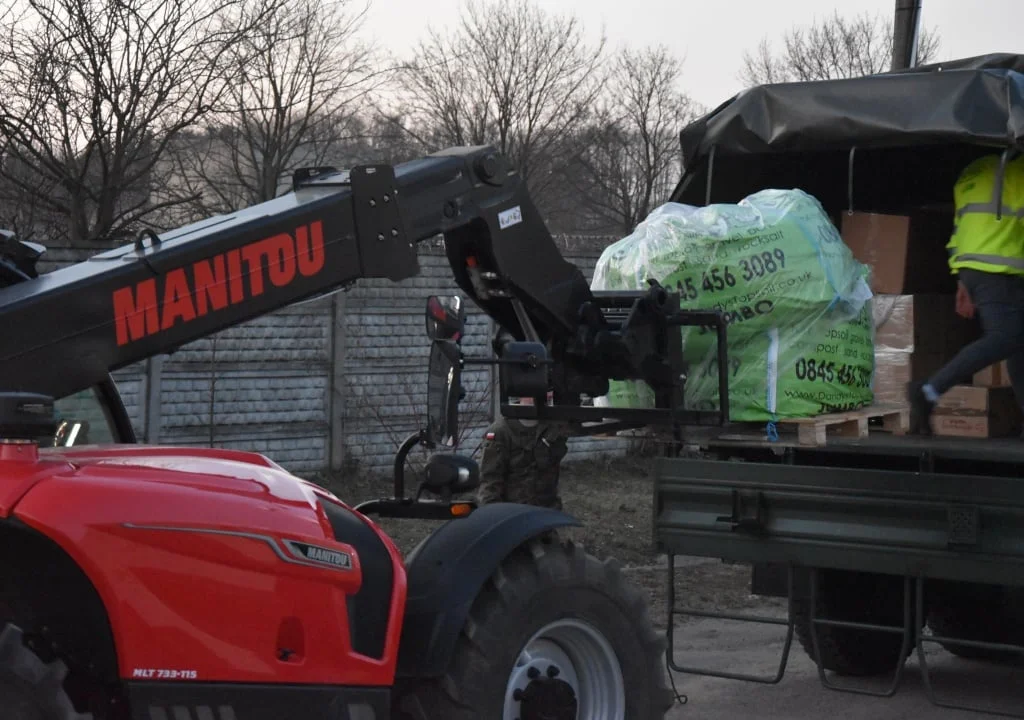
(748, 648)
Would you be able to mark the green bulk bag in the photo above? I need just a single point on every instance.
(797, 304)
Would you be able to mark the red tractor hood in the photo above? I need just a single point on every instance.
(214, 465)
(206, 470)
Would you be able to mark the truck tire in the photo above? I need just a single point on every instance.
(554, 631)
(29, 688)
(976, 612)
(852, 597)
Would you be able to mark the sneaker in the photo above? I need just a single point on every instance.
(920, 410)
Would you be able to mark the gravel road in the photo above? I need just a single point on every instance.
(748, 648)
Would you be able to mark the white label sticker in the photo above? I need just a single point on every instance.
(164, 674)
(510, 217)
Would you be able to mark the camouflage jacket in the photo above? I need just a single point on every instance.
(520, 463)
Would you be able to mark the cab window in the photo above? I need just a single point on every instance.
(82, 419)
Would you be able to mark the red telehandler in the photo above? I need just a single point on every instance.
(158, 583)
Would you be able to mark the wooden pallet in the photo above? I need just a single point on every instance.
(810, 431)
(853, 423)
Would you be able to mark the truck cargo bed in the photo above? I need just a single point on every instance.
(1001, 457)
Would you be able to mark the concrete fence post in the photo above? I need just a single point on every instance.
(151, 401)
(337, 396)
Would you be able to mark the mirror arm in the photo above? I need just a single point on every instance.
(533, 362)
(417, 438)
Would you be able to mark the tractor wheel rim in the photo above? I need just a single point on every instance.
(563, 659)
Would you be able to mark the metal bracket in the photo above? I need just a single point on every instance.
(308, 175)
(384, 247)
(748, 511)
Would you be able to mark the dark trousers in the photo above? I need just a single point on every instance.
(999, 304)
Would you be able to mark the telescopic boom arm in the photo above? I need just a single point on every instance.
(65, 331)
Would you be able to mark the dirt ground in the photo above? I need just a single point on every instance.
(613, 501)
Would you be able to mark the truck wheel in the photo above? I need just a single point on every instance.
(29, 688)
(555, 634)
(852, 597)
(975, 612)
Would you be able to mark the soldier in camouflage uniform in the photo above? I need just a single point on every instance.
(521, 461)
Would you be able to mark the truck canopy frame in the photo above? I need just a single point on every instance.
(879, 143)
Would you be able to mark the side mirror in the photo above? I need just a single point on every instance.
(446, 317)
(524, 369)
(452, 474)
(444, 390)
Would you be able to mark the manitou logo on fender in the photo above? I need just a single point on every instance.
(320, 555)
(215, 283)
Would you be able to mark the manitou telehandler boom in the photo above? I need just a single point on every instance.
(160, 583)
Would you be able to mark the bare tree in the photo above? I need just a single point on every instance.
(386, 138)
(832, 48)
(629, 156)
(508, 74)
(296, 81)
(23, 196)
(95, 91)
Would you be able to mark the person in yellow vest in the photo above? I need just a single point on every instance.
(986, 252)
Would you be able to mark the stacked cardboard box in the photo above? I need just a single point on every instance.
(993, 376)
(906, 253)
(917, 329)
(915, 335)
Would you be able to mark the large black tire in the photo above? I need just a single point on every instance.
(852, 597)
(985, 613)
(546, 581)
(29, 688)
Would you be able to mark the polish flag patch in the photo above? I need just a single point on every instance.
(489, 436)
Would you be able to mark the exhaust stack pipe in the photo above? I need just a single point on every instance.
(906, 27)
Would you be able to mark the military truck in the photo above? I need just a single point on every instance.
(883, 542)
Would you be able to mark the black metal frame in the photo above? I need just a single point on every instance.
(673, 611)
(617, 307)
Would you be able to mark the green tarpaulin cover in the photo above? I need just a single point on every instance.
(797, 304)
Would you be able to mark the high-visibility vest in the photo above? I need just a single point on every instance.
(980, 240)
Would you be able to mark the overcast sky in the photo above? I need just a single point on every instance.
(710, 36)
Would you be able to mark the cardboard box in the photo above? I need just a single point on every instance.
(915, 335)
(969, 411)
(894, 370)
(924, 323)
(997, 375)
(906, 253)
(971, 400)
(973, 426)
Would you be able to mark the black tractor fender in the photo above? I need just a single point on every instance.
(445, 574)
